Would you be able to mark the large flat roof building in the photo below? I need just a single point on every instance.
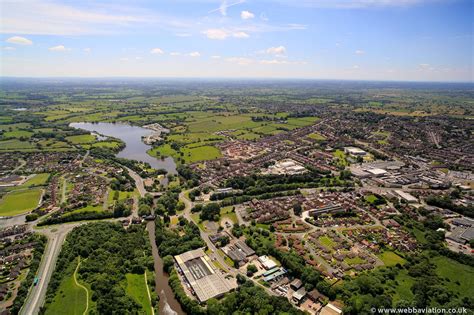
(204, 279)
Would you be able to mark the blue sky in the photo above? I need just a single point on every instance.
(427, 40)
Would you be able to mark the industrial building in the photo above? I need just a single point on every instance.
(205, 281)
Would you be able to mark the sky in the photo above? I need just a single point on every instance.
(402, 40)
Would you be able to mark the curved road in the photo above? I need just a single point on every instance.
(37, 293)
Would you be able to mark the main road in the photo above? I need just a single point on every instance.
(56, 236)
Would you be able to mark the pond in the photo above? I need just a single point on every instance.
(135, 149)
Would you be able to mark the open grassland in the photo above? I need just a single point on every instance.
(18, 134)
(403, 287)
(81, 139)
(71, 299)
(390, 258)
(14, 144)
(460, 277)
(227, 213)
(137, 289)
(37, 180)
(19, 202)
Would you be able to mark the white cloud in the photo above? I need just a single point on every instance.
(216, 57)
(246, 15)
(296, 26)
(59, 48)
(221, 34)
(359, 52)
(216, 33)
(240, 35)
(175, 53)
(87, 50)
(18, 40)
(279, 51)
(9, 48)
(157, 51)
(195, 54)
(183, 34)
(355, 67)
(240, 60)
(124, 59)
(224, 5)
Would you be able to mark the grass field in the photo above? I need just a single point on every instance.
(403, 289)
(18, 134)
(390, 258)
(326, 241)
(371, 199)
(316, 136)
(203, 153)
(461, 277)
(136, 288)
(19, 202)
(14, 144)
(81, 139)
(70, 299)
(37, 180)
(226, 213)
(354, 261)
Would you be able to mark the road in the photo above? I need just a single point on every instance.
(36, 296)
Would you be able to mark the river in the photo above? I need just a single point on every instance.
(168, 305)
(135, 149)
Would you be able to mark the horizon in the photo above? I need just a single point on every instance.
(392, 40)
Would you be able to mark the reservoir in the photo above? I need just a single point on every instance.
(135, 149)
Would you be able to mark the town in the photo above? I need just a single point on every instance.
(224, 203)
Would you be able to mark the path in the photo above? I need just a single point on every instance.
(81, 286)
(148, 292)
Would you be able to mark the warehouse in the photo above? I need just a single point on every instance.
(197, 269)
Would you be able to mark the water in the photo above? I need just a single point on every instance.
(168, 305)
(135, 149)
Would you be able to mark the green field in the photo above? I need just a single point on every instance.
(203, 153)
(461, 277)
(326, 241)
(137, 289)
(390, 258)
(20, 201)
(70, 299)
(354, 261)
(371, 199)
(81, 139)
(11, 145)
(226, 213)
(37, 180)
(18, 134)
(316, 136)
(403, 288)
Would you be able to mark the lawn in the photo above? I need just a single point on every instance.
(70, 299)
(226, 212)
(20, 201)
(390, 258)
(403, 289)
(316, 136)
(326, 241)
(15, 144)
(137, 289)
(37, 180)
(18, 134)
(79, 139)
(461, 277)
(354, 261)
(203, 153)
(371, 199)
(106, 144)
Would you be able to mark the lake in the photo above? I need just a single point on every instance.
(135, 149)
